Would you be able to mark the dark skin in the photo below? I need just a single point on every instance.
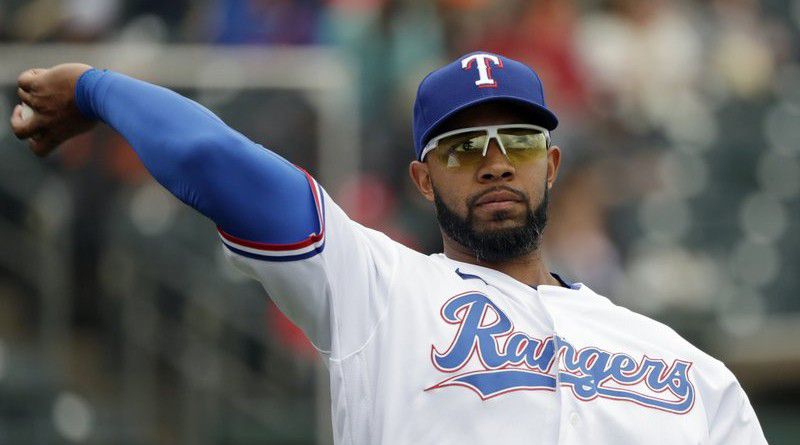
(456, 185)
(51, 95)
(56, 118)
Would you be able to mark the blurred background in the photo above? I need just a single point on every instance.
(679, 195)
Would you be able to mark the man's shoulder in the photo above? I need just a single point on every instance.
(729, 415)
(663, 336)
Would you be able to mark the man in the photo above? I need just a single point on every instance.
(480, 344)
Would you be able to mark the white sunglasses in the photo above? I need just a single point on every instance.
(464, 145)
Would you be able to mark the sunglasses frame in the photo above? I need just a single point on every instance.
(491, 130)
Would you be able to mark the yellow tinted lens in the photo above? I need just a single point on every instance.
(523, 144)
(462, 149)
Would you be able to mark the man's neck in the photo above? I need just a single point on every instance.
(529, 269)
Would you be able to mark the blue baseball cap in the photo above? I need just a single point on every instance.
(473, 79)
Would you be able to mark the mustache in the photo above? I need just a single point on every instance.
(472, 200)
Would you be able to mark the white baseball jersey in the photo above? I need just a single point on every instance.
(425, 349)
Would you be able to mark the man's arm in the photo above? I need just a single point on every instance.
(275, 220)
(250, 192)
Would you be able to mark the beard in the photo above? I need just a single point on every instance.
(493, 246)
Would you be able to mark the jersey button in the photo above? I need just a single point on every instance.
(574, 419)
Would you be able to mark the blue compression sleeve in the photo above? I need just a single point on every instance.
(249, 191)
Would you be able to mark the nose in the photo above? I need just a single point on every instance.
(495, 165)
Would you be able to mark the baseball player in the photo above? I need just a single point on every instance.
(481, 344)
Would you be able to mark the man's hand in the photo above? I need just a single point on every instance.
(51, 95)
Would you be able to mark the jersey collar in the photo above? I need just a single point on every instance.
(488, 275)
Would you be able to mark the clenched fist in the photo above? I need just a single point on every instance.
(50, 93)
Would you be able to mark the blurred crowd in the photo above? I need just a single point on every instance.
(676, 116)
(679, 125)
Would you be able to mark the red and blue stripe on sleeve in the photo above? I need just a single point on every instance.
(312, 245)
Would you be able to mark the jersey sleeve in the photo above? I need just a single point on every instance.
(732, 420)
(334, 284)
(328, 274)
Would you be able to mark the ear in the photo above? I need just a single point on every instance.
(421, 176)
(553, 161)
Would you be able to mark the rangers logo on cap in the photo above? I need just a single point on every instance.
(482, 60)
